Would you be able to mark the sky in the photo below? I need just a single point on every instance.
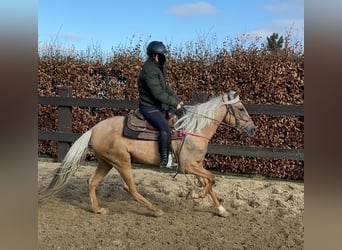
(108, 24)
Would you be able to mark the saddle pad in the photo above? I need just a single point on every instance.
(135, 123)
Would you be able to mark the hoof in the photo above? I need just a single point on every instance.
(223, 212)
(191, 195)
(159, 213)
(102, 211)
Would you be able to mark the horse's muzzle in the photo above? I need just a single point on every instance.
(249, 129)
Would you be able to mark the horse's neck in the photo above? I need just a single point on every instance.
(211, 129)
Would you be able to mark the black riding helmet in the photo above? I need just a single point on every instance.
(156, 47)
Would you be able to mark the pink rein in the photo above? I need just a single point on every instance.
(183, 133)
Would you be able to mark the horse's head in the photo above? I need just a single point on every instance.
(237, 115)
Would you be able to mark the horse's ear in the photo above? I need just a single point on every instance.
(236, 95)
(225, 97)
(232, 95)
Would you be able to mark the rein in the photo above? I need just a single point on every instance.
(217, 121)
(183, 132)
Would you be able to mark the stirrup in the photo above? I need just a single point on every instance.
(170, 164)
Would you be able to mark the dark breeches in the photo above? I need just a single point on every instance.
(154, 116)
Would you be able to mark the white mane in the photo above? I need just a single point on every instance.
(199, 116)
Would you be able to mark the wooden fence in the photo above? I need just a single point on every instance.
(65, 137)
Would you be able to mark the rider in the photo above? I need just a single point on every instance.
(154, 93)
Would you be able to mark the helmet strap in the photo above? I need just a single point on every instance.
(161, 59)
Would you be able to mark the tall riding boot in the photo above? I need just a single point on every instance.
(164, 150)
(163, 143)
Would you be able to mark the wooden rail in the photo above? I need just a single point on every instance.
(65, 137)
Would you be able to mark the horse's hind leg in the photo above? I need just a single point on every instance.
(97, 176)
(126, 174)
(125, 187)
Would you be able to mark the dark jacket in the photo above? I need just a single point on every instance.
(153, 90)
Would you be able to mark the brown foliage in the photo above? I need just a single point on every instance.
(259, 76)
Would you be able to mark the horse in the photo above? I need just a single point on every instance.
(113, 150)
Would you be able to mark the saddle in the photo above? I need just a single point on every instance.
(136, 127)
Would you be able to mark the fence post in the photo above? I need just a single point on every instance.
(64, 122)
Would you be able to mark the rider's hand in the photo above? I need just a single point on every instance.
(180, 105)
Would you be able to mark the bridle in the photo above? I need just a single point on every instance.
(231, 113)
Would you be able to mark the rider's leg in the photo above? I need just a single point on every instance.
(163, 143)
(155, 116)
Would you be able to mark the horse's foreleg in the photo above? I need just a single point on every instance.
(203, 182)
(100, 172)
(205, 177)
(207, 180)
(222, 211)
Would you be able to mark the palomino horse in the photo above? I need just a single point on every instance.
(113, 150)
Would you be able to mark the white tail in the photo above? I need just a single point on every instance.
(69, 165)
